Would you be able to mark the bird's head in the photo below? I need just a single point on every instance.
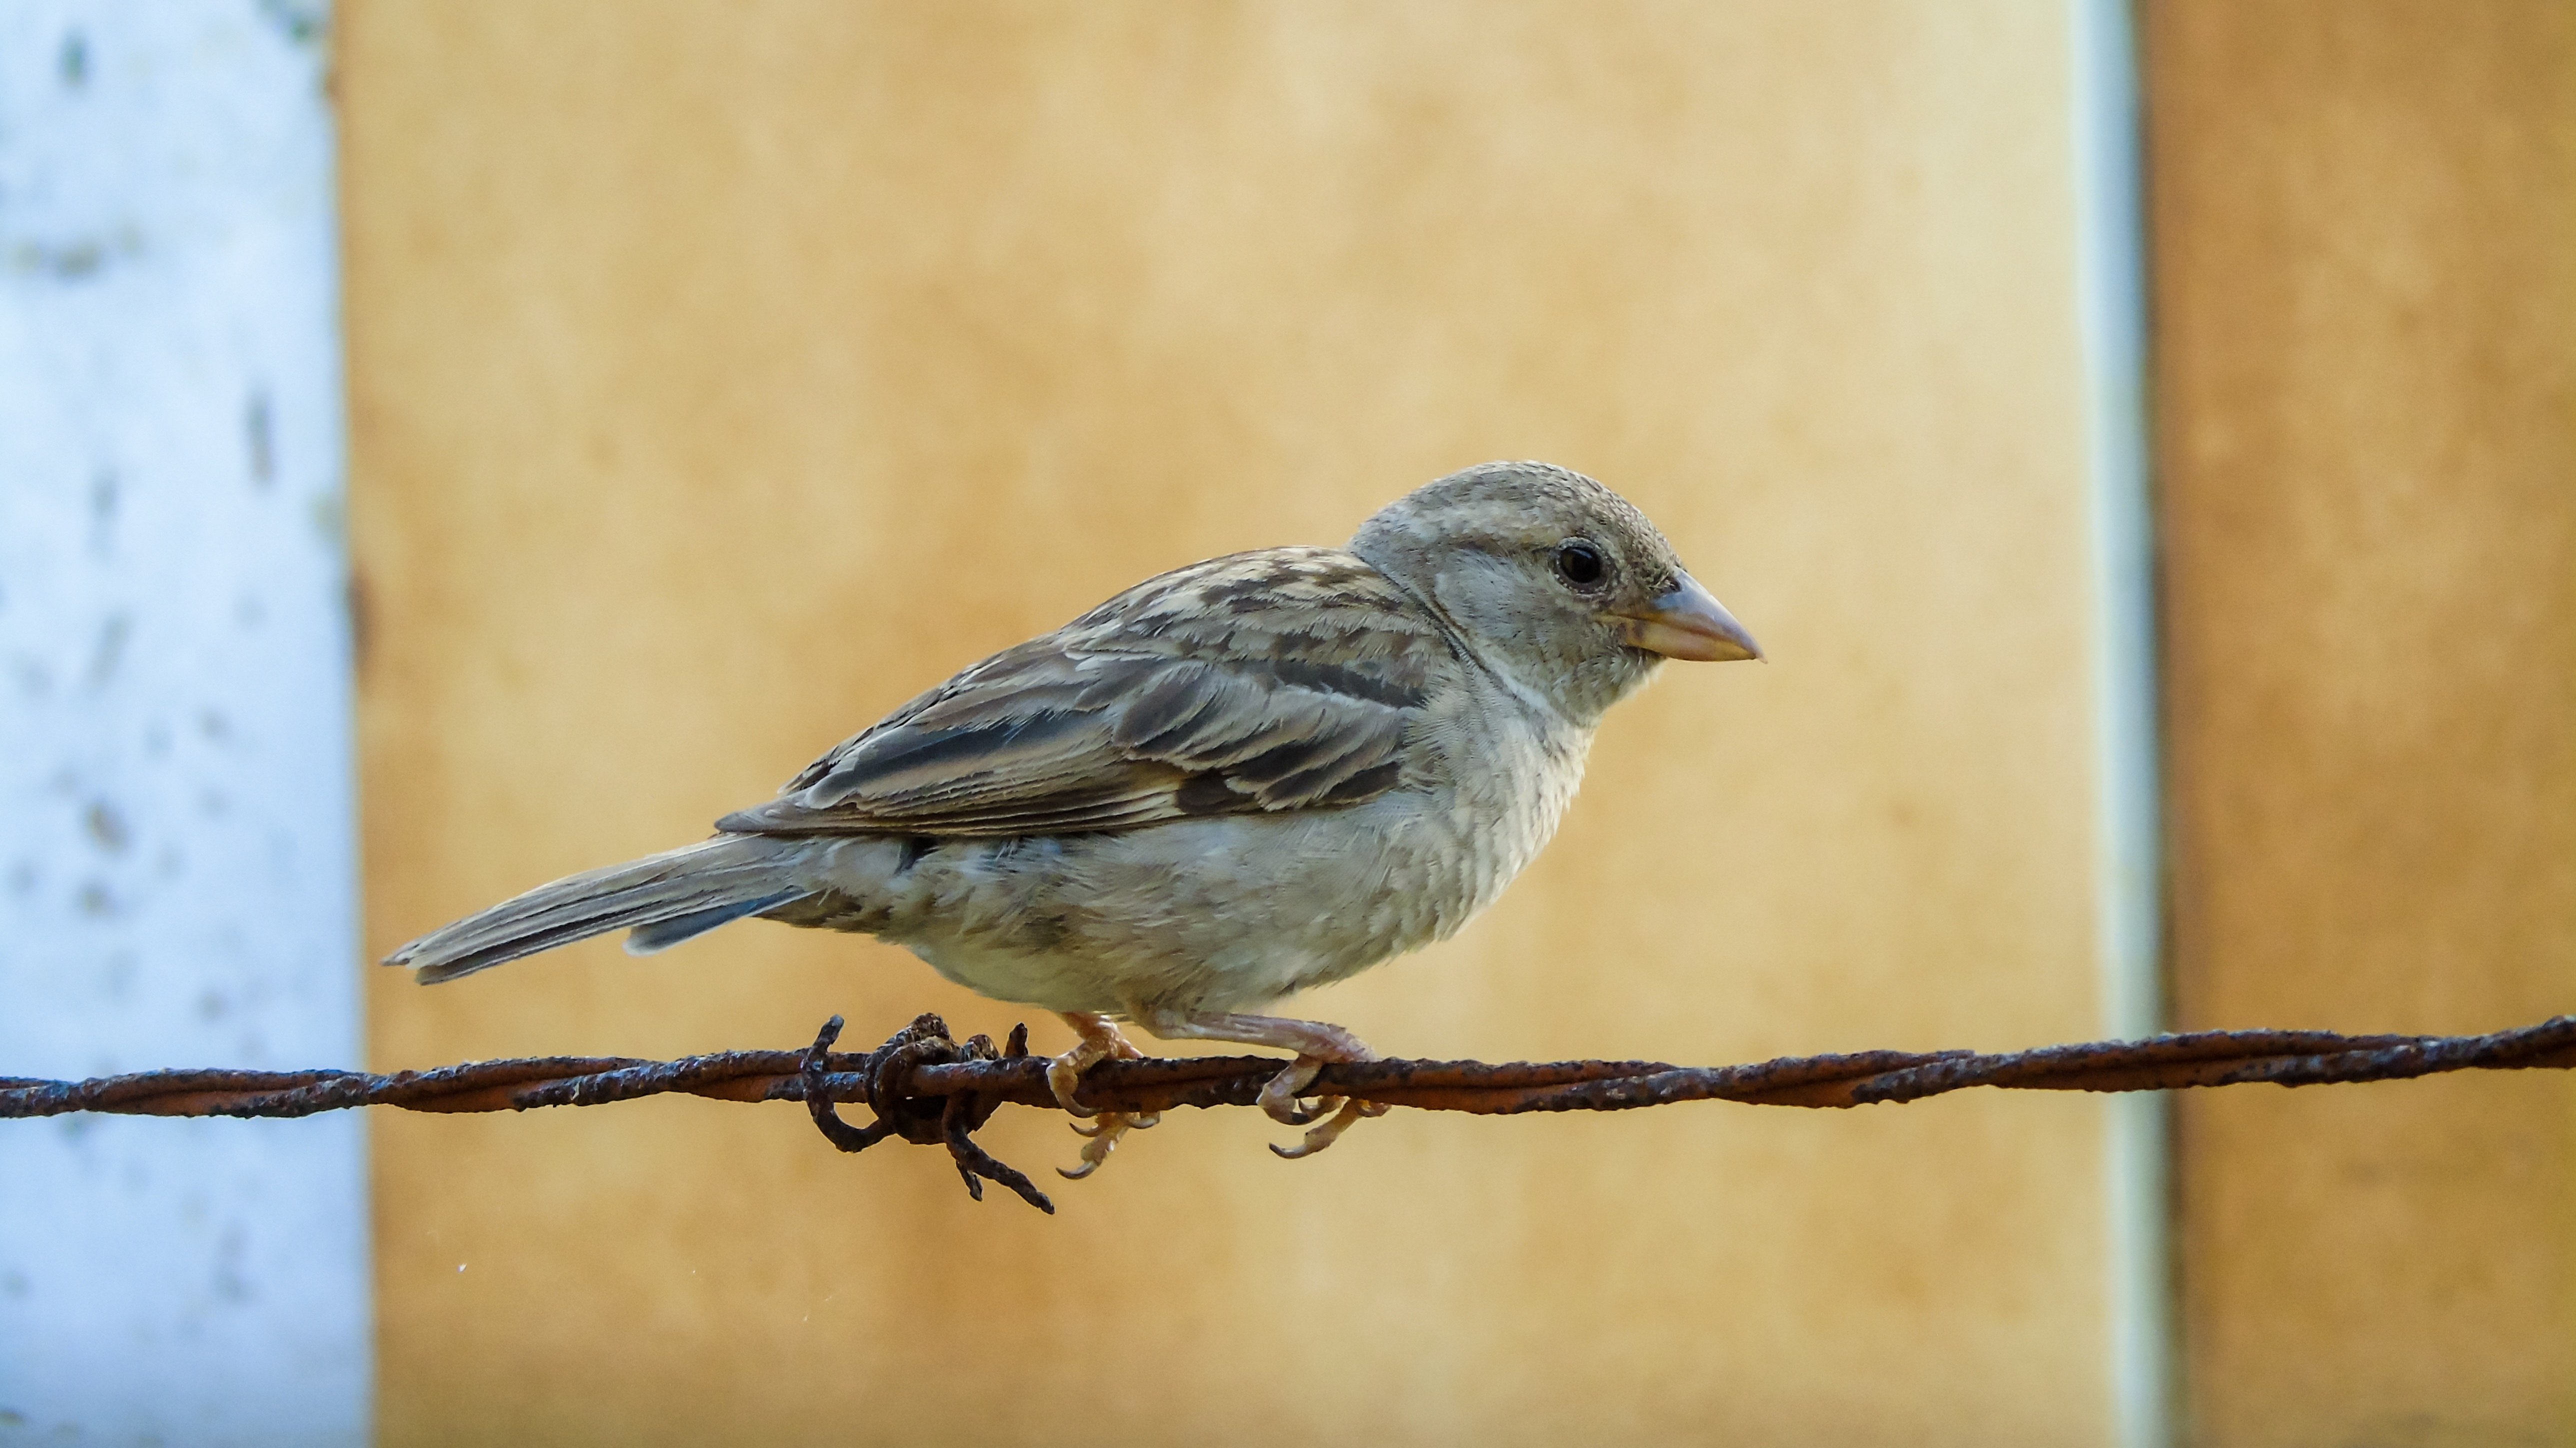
(1552, 578)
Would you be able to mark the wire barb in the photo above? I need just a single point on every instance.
(930, 1089)
(949, 1121)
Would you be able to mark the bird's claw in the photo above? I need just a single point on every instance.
(1100, 1041)
(1103, 1133)
(1325, 1135)
(1326, 1116)
(1279, 1097)
(1097, 1041)
(1311, 1109)
(1064, 1077)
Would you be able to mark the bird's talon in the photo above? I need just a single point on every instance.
(1098, 1041)
(1279, 1098)
(1064, 1076)
(1311, 1109)
(1325, 1135)
(1103, 1137)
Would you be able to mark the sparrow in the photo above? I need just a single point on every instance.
(1232, 782)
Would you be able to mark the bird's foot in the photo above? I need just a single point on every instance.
(1100, 1041)
(1097, 1040)
(1329, 1116)
(1283, 1097)
(1316, 1044)
(1104, 1130)
(1331, 1130)
(1280, 1097)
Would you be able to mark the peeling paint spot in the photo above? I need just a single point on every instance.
(109, 651)
(75, 260)
(261, 435)
(304, 22)
(103, 500)
(231, 1285)
(71, 263)
(106, 827)
(330, 521)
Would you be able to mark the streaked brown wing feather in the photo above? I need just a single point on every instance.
(1277, 680)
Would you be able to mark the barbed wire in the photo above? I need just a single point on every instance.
(931, 1089)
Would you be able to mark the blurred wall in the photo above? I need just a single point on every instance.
(723, 374)
(2365, 251)
(176, 820)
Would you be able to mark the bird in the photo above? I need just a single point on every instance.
(1237, 780)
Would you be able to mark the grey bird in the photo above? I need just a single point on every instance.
(1239, 779)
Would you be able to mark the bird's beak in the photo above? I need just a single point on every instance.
(1684, 622)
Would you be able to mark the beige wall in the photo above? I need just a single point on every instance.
(2365, 237)
(723, 374)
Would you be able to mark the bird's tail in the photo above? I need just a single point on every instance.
(663, 898)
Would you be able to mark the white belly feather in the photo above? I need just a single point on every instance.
(1229, 912)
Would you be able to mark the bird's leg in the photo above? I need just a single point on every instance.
(1315, 1043)
(1100, 1040)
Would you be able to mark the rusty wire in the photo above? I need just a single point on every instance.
(930, 1089)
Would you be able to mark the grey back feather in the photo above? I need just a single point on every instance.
(1282, 679)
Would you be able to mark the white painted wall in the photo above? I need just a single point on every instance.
(177, 871)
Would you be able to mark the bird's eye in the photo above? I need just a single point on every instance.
(1579, 563)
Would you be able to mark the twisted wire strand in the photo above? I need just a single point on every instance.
(2161, 1063)
(930, 1089)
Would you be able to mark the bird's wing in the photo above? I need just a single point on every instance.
(1283, 679)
